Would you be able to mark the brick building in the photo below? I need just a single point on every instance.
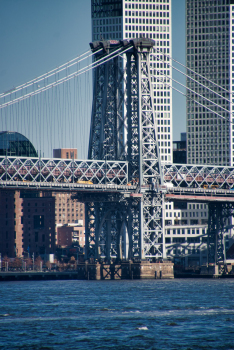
(70, 233)
(27, 223)
(66, 153)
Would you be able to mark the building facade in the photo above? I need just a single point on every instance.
(68, 211)
(27, 223)
(66, 153)
(210, 53)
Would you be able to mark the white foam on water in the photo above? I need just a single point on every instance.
(143, 328)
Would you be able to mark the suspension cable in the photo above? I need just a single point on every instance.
(62, 80)
(196, 81)
(172, 87)
(46, 75)
(196, 93)
(210, 81)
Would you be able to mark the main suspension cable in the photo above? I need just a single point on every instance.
(62, 80)
(46, 75)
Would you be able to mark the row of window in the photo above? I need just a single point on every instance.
(136, 28)
(166, 158)
(164, 136)
(191, 214)
(205, 17)
(209, 128)
(146, 7)
(204, 5)
(161, 108)
(107, 21)
(165, 122)
(220, 23)
(147, 14)
(208, 160)
(183, 240)
(203, 43)
(209, 49)
(184, 231)
(190, 206)
(180, 251)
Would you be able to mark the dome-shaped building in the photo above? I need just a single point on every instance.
(15, 144)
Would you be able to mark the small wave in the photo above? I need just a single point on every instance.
(5, 315)
(143, 328)
(105, 309)
(131, 312)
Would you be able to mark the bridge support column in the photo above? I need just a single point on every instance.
(219, 214)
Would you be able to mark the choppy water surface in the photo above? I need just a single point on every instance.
(162, 314)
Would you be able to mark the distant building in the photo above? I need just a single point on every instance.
(27, 218)
(68, 211)
(179, 150)
(210, 54)
(66, 153)
(38, 223)
(70, 234)
(27, 223)
(11, 228)
(15, 144)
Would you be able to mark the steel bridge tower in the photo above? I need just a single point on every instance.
(123, 127)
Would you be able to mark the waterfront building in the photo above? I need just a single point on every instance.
(27, 223)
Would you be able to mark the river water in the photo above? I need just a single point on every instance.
(155, 314)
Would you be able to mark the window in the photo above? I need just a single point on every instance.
(38, 221)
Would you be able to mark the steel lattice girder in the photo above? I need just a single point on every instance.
(105, 222)
(153, 224)
(195, 176)
(63, 170)
(219, 213)
(107, 123)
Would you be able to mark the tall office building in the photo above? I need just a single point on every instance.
(128, 19)
(210, 52)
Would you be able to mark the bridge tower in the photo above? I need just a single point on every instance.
(123, 127)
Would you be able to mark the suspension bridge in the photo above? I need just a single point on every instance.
(122, 183)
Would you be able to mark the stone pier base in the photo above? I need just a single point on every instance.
(125, 270)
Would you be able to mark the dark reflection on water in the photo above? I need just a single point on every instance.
(170, 314)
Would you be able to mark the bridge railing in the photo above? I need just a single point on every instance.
(199, 176)
(63, 170)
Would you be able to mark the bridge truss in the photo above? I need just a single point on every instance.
(123, 184)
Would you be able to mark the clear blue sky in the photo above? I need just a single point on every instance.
(39, 35)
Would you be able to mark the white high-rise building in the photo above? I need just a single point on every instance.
(128, 19)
